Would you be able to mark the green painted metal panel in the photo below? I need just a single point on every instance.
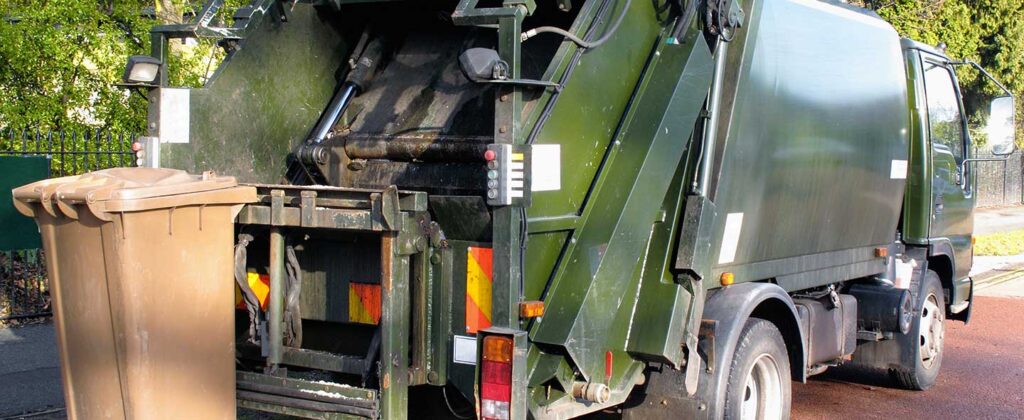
(264, 99)
(816, 125)
(615, 230)
(590, 109)
(19, 232)
(917, 204)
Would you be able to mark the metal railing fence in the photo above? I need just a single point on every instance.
(1000, 183)
(71, 152)
(24, 289)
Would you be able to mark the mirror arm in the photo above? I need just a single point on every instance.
(985, 72)
(963, 166)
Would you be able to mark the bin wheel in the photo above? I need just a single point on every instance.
(759, 384)
(925, 339)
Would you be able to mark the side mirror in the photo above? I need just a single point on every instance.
(1001, 129)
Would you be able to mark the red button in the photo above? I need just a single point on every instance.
(490, 155)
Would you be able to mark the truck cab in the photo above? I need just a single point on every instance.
(941, 189)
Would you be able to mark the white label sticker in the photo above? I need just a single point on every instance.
(898, 170)
(731, 238)
(174, 115)
(546, 170)
(465, 350)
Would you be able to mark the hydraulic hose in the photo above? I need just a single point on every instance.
(582, 43)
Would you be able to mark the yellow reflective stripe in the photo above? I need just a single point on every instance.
(364, 303)
(478, 295)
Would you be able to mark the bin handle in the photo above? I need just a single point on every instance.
(63, 204)
(22, 206)
(45, 198)
(71, 194)
(41, 192)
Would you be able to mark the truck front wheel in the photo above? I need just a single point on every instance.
(759, 385)
(922, 346)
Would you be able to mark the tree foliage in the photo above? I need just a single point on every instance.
(60, 60)
(989, 32)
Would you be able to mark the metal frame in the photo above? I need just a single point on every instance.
(398, 216)
(507, 220)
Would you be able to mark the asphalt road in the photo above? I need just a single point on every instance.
(29, 370)
(982, 376)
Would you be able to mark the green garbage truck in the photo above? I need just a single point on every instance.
(517, 209)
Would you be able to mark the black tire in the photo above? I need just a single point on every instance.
(760, 339)
(921, 359)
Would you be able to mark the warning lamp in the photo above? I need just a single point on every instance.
(496, 378)
(140, 153)
(728, 279)
(531, 309)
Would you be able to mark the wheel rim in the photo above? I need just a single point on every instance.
(762, 391)
(931, 332)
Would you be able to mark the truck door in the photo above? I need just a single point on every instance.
(952, 197)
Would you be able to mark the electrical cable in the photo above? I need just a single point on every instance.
(582, 43)
(444, 392)
(546, 113)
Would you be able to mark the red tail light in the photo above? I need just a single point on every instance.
(496, 378)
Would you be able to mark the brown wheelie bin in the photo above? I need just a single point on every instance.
(140, 268)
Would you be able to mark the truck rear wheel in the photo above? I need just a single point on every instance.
(759, 384)
(925, 339)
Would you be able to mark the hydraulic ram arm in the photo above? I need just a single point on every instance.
(310, 154)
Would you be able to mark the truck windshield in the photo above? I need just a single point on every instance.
(944, 119)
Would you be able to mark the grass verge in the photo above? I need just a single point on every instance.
(1000, 244)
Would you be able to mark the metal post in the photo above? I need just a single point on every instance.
(394, 324)
(507, 220)
(711, 129)
(276, 303)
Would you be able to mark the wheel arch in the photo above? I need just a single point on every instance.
(730, 308)
(940, 260)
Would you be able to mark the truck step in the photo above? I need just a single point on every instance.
(306, 399)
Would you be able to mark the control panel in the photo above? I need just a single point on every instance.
(507, 180)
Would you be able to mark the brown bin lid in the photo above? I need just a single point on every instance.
(129, 189)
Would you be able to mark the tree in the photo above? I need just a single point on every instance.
(990, 32)
(60, 61)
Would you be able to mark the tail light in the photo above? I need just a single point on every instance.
(496, 378)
